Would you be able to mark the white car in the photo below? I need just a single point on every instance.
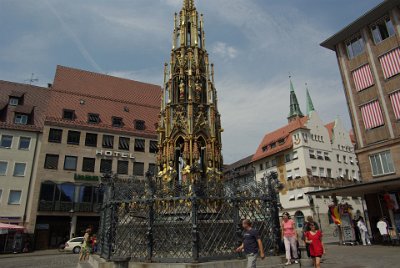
(74, 245)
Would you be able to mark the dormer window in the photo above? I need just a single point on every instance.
(93, 118)
(117, 121)
(68, 114)
(14, 101)
(21, 119)
(265, 148)
(139, 125)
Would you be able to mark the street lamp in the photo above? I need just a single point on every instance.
(71, 231)
(319, 220)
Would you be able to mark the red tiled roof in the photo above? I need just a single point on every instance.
(279, 134)
(330, 128)
(87, 92)
(100, 85)
(35, 99)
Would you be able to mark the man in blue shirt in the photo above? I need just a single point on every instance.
(251, 245)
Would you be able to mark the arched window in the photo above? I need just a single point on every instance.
(299, 218)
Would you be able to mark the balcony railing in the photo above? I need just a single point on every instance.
(60, 206)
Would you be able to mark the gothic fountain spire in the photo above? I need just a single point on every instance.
(190, 125)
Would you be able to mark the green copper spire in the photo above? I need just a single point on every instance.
(310, 105)
(294, 104)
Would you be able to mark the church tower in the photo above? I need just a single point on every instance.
(295, 111)
(190, 125)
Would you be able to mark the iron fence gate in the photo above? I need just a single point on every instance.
(140, 222)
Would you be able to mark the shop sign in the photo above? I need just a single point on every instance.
(114, 154)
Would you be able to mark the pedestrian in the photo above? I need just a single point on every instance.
(306, 228)
(289, 237)
(252, 245)
(317, 248)
(383, 229)
(94, 243)
(85, 249)
(363, 231)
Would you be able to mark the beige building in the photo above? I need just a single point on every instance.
(368, 54)
(309, 155)
(94, 124)
(21, 122)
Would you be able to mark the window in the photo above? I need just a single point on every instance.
(140, 125)
(70, 162)
(67, 192)
(24, 143)
(273, 145)
(382, 29)
(326, 156)
(265, 148)
(355, 46)
(73, 137)
(372, 115)
(88, 164)
(267, 164)
(21, 119)
(153, 168)
(288, 158)
(338, 158)
(94, 118)
(51, 161)
(362, 77)
(69, 114)
(295, 155)
(314, 171)
(353, 174)
(108, 141)
(289, 175)
(47, 191)
(105, 165)
(351, 160)
(297, 173)
(321, 172)
(117, 122)
(124, 143)
(55, 135)
(91, 140)
(381, 163)
(319, 155)
(19, 169)
(261, 167)
(86, 194)
(1, 193)
(299, 216)
(13, 101)
(138, 169)
(344, 159)
(395, 100)
(273, 162)
(122, 167)
(390, 63)
(153, 147)
(3, 168)
(6, 141)
(346, 174)
(312, 154)
(14, 198)
(139, 145)
(329, 173)
(341, 173)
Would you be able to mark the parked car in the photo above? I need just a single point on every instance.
(74, 245)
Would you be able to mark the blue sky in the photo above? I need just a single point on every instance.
(254, 44)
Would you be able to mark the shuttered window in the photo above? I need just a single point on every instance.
(108, 141)
(51, 161)
(153, 147)
(372, 115)
(138, 169)
(395, 100)
(91, 139)
(124, 143)
(122, 167)
(105, 165)
(363, 77)
(88, 164)
(139, 145)
(390, 63)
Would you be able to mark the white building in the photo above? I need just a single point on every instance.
(308, 155)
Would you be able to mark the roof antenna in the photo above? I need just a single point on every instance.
(32, 79)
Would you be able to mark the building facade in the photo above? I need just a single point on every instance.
(22, 110)
(368, 55)
(308, 155)
(94, 124)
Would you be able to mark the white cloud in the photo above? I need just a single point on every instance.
(223, 50)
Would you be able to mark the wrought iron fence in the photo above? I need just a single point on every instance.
(141, 221)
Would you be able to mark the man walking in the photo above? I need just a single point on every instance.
(251, 245)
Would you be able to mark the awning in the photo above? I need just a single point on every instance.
(153, 145)
(139, 143)
(124, 143)
(360, 189)
(6, 226)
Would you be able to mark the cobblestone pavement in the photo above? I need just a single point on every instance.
(47, 261)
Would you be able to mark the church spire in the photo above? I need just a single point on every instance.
(188, 5)
(295, 111)
(309, 103)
